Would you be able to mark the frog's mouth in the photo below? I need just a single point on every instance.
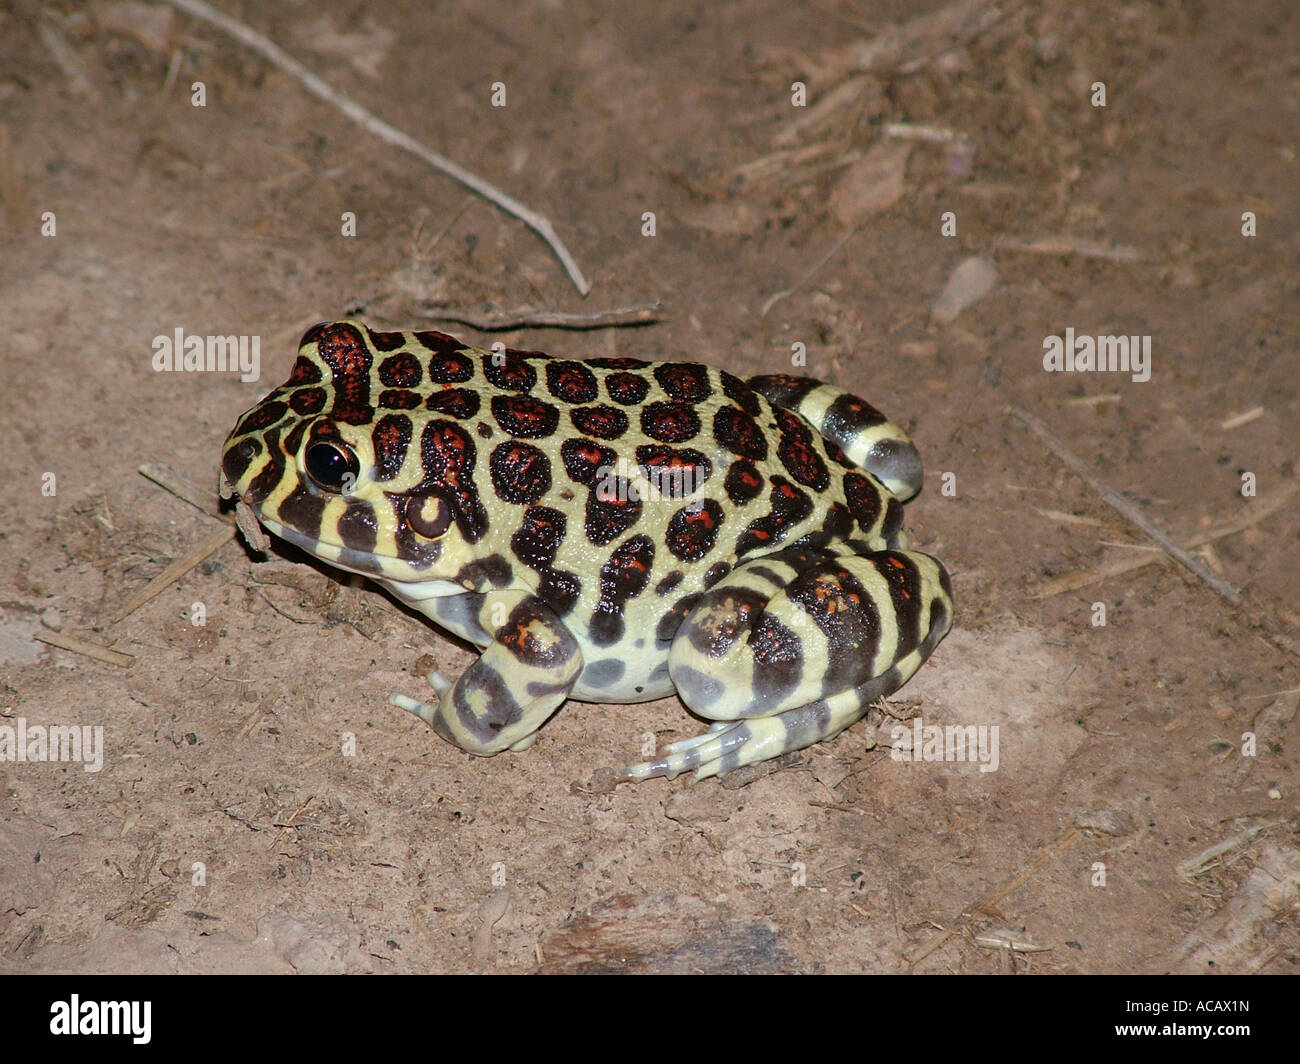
(328, 545)
(347, 533)
(365, 563)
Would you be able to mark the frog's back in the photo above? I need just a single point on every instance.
(670, 472)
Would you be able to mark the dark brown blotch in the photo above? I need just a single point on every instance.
(391, 438)
(520, 472)
(603, 422)
(571, 382)
(520, 415)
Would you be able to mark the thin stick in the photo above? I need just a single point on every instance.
(1093, 400)
(840, 808)
(1242, 419)
(1199, 863)
(291, 822)
(1117, 502)
(381, 129)
(640, 314)
(928, 134)
(169, 480)
(66, 59)
(776, 297)
(1072, 581)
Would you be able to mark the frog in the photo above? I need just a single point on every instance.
(610, 530)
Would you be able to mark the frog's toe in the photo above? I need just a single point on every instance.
(696, 740)
(709, 754)
(424, 710)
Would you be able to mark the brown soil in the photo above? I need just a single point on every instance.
(229, 831)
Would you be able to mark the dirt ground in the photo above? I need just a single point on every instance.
(261, 806)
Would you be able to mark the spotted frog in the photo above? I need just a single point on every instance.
(608, 530)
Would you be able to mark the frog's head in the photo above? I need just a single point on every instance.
(346, 461)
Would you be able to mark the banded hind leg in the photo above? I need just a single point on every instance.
(791, 648)
(522, 677)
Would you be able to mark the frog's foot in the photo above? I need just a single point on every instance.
(728, 745)
(677, 754)
(521, 678)
(426, 711)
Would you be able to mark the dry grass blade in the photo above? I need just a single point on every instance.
(1242, 419)
(913, 45)
(218, 537)
(1069, 245)
(90, 650)
(169, 480)
(1202, 862)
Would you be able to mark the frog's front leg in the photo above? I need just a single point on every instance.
(792, 648)
(523, 676)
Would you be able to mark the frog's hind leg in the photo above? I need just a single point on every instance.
(792, 648)
(868, 439)
(524, 676)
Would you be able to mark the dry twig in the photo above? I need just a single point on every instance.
(169, 480)
(1202, 862)
(776, 297)
(640, 314)
(214, 539)
(381, 129)
(1117, 502)
(1072, 581)
(291, 822)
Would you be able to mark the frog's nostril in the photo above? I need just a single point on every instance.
(237, 459)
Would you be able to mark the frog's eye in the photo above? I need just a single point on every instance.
(428, 516)
(332, 465)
